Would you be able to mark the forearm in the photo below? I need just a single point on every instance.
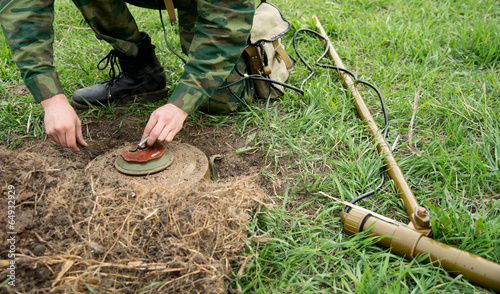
(27, 27)
(220, 35)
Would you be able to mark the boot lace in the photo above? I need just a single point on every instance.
(112, 60)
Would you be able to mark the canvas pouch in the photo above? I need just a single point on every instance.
(265, 54)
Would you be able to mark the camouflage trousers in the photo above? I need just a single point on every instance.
(112, 21)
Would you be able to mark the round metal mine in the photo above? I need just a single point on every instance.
(137, 161)
(144, 168)
(180, 163)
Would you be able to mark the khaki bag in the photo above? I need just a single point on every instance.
(265, 54)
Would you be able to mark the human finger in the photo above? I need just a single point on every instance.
(71, 140)
(171, 136)
(154, 134)
(79, 135)
(57, 138)
(148, 130)
(165, 135)
(54, 138)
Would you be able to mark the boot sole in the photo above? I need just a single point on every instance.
(149, 96)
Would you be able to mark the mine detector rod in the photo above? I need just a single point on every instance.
(408, 241)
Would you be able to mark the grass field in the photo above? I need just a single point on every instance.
(446, 53)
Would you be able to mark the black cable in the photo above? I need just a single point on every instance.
(266, 102)
(382, 104)
(261, 78)
(166, 41)
(356, 81)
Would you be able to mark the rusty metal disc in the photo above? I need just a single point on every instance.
(133, 153)
(137, 161)
(144, 168)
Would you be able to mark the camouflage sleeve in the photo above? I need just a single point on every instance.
(27, 27)
(220, 35)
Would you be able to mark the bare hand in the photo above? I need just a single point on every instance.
(62, 123)
(164, 123)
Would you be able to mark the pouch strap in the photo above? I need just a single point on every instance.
(282, 55)
(256, 61)
(169, 5)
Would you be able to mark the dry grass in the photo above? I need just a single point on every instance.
(125, 236)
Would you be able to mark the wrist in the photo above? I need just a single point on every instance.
(178, 109)
(58, 99)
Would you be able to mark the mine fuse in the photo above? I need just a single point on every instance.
(410, 244)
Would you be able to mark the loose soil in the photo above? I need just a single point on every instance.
(77, 230)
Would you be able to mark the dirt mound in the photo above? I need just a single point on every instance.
(76, 230)
(189, 165)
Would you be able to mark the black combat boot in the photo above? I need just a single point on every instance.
(141, 77)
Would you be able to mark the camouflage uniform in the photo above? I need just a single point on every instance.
(213, 34)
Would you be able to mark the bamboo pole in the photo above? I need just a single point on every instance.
(418, 215)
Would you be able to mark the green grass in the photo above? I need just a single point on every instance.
(317, 142)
